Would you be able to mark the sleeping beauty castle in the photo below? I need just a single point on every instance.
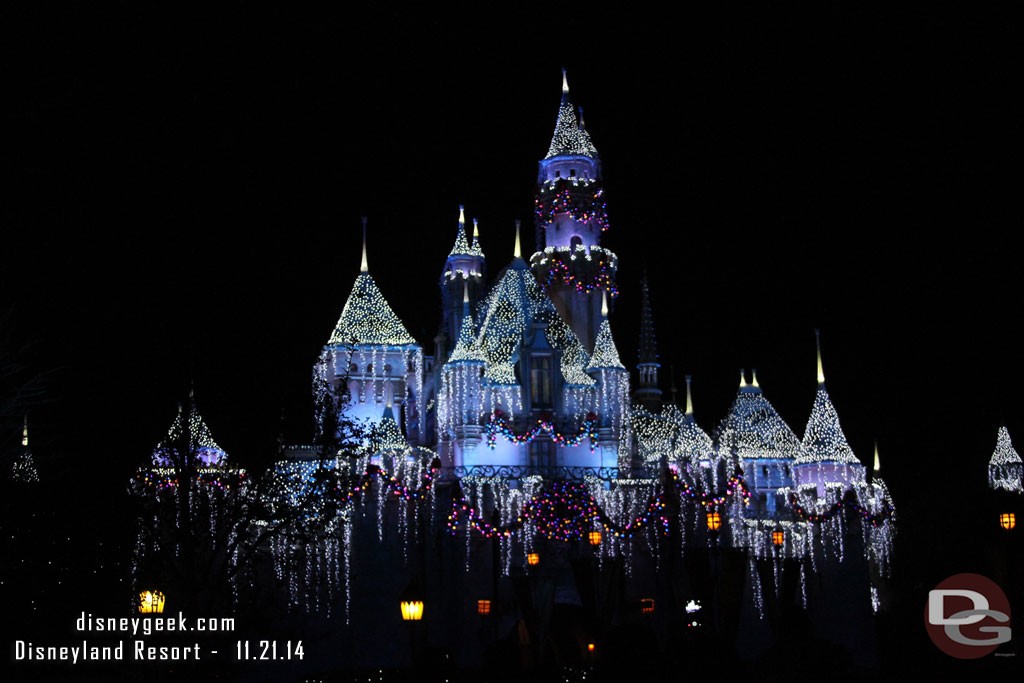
(570, 495)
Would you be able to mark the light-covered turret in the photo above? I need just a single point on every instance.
(1005, 466)
(613, 387)
(464, 269)
(23, 469)
(825, 456)
(571, 215)
(756, 437)
(371, 354)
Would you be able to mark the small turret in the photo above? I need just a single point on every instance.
(647, 393)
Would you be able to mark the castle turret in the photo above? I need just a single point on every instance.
(570, 262)
(825, 456)
(23, 469)
(612, 391)
(465, 266)
(647, 393)
(372, 353)
(1005, 466)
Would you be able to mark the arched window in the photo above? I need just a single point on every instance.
(353, 368)
(576, 241)
(387, 368)
(369, 368)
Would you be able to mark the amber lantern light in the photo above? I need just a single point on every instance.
(647, 605)
(151, 602)
(1007, 520)
(411, 602)
(714, 521)
(778, 537)
(533, 559)
(483, 606)
(595, 537)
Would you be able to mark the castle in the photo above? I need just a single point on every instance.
(522, 426)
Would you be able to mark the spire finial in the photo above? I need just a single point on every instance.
(689, 399)
(476, 233)
(582, 125)
(743, 378)
(24, 432)
(565, 82)
(877, 465)
(518, 252)
(364, 267)
(753, 374)
(604, 304)
(817, 344)
(462, 216)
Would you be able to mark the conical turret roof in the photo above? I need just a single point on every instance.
(189, 427)
(754, 429)
(1005, 468)
(570, 138)
(368, 318)
(824, 440)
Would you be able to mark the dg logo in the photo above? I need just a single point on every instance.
(967, 616)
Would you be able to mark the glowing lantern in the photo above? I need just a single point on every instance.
(714, 521)
(595, 538)
(151, 602)
(590, 647)
(411, 602)
(647, 605)
(1008, 520)
(778, 537)
(483, 606)
(533, 559)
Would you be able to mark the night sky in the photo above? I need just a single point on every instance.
(183, 193)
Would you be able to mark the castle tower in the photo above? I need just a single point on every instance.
(376, 359)
(647, 393)
(612, 392)
(570, 208)
(464, 268)
(825, 456)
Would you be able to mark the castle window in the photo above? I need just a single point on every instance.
(387, 368)
(353, 368)
(764, 470)
(576, 241)
(558, 174)
(541, 453)
(369, 368)
(572, 172)
(540, 381)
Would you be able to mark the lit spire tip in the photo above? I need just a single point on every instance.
(604, 304)
(565, 81)
(518, 251)
(24, 432)
(689, 399)
(364, 266)
(753, 375)
(877, 464)
(743, 378)
(817, 344)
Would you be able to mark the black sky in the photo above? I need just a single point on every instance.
(184, 192)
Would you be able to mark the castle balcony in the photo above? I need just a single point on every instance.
(584, 267)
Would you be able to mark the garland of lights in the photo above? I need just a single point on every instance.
(847, 501)
(500, 424)
(566, 512)
(585, 206)
(555, 271)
